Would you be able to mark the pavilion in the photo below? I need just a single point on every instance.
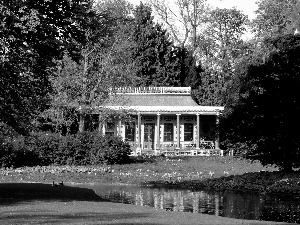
(165, 120)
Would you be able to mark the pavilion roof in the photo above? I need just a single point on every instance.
(157, 100)
(160, 99)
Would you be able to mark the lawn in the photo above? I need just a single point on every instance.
(141, 170)
(212, 172)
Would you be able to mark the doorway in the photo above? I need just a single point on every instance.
(149, 131)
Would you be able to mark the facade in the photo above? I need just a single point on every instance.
(165, 119)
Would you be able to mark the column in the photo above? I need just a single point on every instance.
(119, 127)
(217, 205)
(139, 130)
(198, 131)
(103, 128)
(81, 122)
(100, 126)
(157, 145)
(178, 130)
(217, 141)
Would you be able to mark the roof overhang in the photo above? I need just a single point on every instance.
(211, 110)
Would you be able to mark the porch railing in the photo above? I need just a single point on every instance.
(171, 149)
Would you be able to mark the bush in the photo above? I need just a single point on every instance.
(86, 148)
(46, 146)
(110, 150)
(15, 153)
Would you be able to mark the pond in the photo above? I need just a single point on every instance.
(234, 204)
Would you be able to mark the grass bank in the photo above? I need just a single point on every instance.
(181, 172)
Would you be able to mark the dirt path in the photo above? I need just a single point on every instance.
(25, 203)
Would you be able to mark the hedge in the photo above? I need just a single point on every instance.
(85, 148)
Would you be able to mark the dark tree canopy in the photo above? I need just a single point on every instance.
(265, 118)
(190, 71)
(32, 34)
(154, 54)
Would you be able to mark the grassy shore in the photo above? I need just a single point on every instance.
(181, 172)
(141, 170)
(217, 173)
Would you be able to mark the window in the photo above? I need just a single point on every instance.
(188, 132)
(110, 128)
(168, 132)
(129, 131)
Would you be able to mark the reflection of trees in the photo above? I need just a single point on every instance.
(180, 201)
(228, 204)
(241, 205)
(284, 208)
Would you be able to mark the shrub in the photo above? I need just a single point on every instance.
(54, 149)
(15, 153)
(46, 146)
(68, 151)
(110, 150)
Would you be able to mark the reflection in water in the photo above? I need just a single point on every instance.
(242, 205)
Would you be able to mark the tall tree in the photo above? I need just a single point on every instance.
(220, 49)
(153, 53)
(183, 18)
(104, 65)
(189, 70)
(32, 34)
(264, 117)
(221, 42)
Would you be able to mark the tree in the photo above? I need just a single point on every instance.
(120, 10)
(190, 14)
(212, 91)
(220, 49)
(81, 86)
(32, 34)
(221, 42)
(276, 17)
(154, 54)
(265, 115)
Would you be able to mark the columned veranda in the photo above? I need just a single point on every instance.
(163, 119)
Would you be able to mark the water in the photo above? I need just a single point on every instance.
(234, 204)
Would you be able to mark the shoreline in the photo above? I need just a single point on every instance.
(43, 203)
(270, 182)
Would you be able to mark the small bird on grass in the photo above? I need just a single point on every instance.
(57, 184)
(211, 173)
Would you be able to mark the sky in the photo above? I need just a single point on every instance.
(246, 6)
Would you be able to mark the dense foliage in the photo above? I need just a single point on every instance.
(276, 17)
(43, 149)
(264, 117)
(33, 34)
(153, 52)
